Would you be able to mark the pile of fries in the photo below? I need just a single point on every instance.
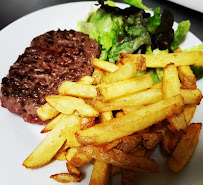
(117, 120)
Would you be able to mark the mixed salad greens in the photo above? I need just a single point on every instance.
(133, 30)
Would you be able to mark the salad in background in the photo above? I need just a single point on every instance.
(134, 30)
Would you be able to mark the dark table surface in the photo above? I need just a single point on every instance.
(11, 10)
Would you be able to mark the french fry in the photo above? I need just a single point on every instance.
(61, 156)
(125, 87)
(191, 96)
(52, 123)
(131, 108)
(105, 116)
(46, 112)
(185, 148)
(100, 173)
(104, 65)
(88, 80)
(131, 122)
(118, 114)
(189, 111)
(72, 169)
(171, 87)
(77, 89)
(161, 60)
(125, 72)
(121, 159)
(79, 159)
(66, 177)
(87, 122)
(68, 104)
(71, 153)
(187, 77)
(119, 63)
(74, 124)
(97, 75)
(133, 143)
(47, 149)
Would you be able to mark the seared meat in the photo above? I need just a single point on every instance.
(52, 58)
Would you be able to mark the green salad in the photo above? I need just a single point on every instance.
(134, 30)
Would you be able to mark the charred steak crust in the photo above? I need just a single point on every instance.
(52, 58)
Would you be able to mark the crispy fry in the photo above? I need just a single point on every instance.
(68, 104)
(77, 89)
(52, 123)
(87, 122)
(74, 124)
(88, 80)
(131, 122)
(126, 87)
(48, 147)
(188, 79)
(171, 87)
(97, 75)
(72, 169)
(104, 65)
(189, 111)
(118, 114)
(105, 116)
(61, 156)
(100, 173)
(66, 177)
(185, 148)
(125, 72)
(71, 153)
(161, 60)
(191, 96)
(121, 159)
(131, 108)
(46, 112)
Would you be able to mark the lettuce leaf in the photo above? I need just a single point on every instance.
(154, 21)
(137, 3)
(180, 34)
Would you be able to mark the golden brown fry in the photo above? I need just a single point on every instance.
(119, 63)
(88, 80)
(118, 114)
(68, 104)
(125, 87)
(71, 153)
(52, 123)
(47, 149)
(161, 60)
(185, 148)
(77, 89)
(87, 122)
(189, 111)
(131, 122)
(80, 159)
(66, 177)
(131, 108)
(121, 159)
(46, 112)
(97, 75)
(125, 72)
(187, 77)
(72, 169)
(191, 96)
(170, 141)
(104, 65)
(111, 145)
(61, 156)
(100, 173)
(74, 124)
(105, 116)
(171, 87)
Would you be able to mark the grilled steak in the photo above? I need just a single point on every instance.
(52, 58)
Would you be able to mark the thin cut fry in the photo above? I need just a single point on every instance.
(131, 122)
(66, 177)
(121, 159)
(185, 148)
(161, 60)
(106, 66)
(171, 87)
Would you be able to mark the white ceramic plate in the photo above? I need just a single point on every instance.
(18, 138)
(192, 4)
